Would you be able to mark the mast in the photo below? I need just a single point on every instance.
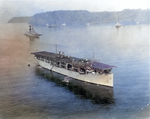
(29, 28)
(56, 48)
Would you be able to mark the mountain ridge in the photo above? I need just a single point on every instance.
(19, 20)
(83, 17)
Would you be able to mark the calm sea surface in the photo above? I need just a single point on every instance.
(36, 93)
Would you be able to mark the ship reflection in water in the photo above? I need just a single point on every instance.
(96, 93)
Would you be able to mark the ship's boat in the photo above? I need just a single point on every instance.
(80, 69)
(31, 32)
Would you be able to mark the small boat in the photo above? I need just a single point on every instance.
(31, 32)
(138, 24)
(63, 24)
(66, 79)
(87, 24)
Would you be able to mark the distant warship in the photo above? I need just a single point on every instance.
(53, 25)
(118, 25)
(31, 32)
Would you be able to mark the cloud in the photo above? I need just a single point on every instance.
(7, 10)
(91, 5)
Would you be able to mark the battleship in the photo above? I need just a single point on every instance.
(32, 33)
(80, 69)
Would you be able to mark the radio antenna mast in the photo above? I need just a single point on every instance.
(56, 48)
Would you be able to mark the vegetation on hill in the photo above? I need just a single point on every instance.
(82, 17)
(20, 20)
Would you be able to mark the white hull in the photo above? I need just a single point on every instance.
(99, 79)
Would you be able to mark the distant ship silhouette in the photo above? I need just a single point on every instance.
(118, 25)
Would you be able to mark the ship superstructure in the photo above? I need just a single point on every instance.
(118, 25)
(81, 69)
(31, 32)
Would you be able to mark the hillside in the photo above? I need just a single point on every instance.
(81, 17)
(19, 20)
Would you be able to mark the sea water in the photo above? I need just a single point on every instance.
(31, 92)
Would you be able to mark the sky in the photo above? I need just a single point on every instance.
(14, 8)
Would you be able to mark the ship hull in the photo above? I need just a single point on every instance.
(32, 35)
(99, 79)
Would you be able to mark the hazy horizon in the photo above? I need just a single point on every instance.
(17, 8)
